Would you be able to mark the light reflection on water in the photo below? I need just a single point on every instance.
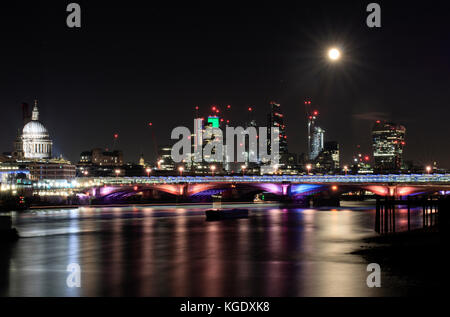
(173, 251)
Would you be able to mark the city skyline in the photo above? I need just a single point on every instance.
(134, 81)
(216, 157)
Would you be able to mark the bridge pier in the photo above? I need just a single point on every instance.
(326, 198)
(385, 213)
(183, 193)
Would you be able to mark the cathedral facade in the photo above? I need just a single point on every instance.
(34, 142)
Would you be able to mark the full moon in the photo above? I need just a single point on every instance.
(334, 54)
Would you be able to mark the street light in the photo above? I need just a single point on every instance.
(213, 168)
(117, 171)
(345, 169)
(308, 168)
(428, 168)
(243, 167)
(181, 169)
(159, 163)
(148, 170)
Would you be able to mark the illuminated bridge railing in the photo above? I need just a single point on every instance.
(88, 182)
(357, 179)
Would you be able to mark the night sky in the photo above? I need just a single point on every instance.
(153, 61)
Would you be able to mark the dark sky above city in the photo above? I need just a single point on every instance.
(132, 63)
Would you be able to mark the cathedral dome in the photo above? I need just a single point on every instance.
(35, 142)
(34, 129)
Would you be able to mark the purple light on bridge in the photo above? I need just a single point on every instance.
(106, 190)
(271, 188)
(303, 189)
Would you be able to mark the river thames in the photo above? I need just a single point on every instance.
(172, 251)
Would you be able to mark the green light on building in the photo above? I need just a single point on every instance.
(214, 121)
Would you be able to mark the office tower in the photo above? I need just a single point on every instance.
(275, 119)
(388, 143)
(317, 142)
(315, 133)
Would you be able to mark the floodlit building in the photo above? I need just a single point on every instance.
(101, 157)
(316, 142)
(34, 141)
(165, 161)
(328, 158)
(388, 144)
(276, 120)
(33, 150)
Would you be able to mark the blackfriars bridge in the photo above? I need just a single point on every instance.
(288, 186)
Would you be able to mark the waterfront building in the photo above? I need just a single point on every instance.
(55, 168)
(101, 157)
(100, 162)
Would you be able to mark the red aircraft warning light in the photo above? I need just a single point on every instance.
(116, 135)
(150, 124)
(250, 108)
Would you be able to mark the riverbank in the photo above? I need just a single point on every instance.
(417, 256)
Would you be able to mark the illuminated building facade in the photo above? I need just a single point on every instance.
(328, 158)
(316, 142)
(100, 162)
(275, 119)
(388, 144)
(34, 142)
(165, 161)
(315, 133)
(51, 169)
(101, 157)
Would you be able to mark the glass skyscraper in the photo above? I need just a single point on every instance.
(388, 144)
